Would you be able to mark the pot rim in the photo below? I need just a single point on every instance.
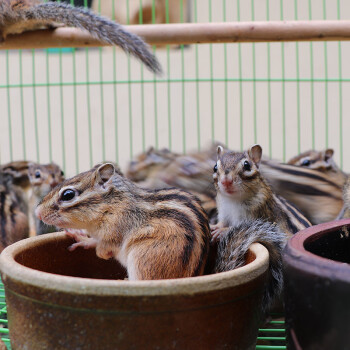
(314, 263)
(189, 285)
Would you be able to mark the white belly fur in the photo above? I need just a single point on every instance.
(231, 212)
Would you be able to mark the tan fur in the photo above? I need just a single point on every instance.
(147, 165)
(243, 194)
(154, 234)
(315, 193)
(43, 178)
(19, 171)
(13, 221)
(321, 161)
(157, 169)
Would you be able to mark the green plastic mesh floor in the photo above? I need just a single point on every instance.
(272, 336)
(4, 332)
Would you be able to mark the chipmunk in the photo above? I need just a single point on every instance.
(191, 172)
(18, 170)
(17, 16)
(322, 161)
(43, 178)
(243, 194)
(316, 194)
(145, 168)
(154, 234)
(319, 160)
(233, 247)
(13, 221)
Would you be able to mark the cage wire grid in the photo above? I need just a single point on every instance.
(80, 106)
(77, 107)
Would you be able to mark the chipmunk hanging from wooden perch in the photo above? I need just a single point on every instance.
(18, 16)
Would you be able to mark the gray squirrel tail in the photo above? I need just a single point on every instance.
(233, 247)
(98, 26)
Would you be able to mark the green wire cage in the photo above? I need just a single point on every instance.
(77, 107)
(80, 106)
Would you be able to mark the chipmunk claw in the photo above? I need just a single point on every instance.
(87, 243)
(218, 233)
(81, 238)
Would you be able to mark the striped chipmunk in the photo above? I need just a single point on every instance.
(322, 161)
(145, 167)
(243, 194)
(155, 234)
(317, 194)
(156, 169)
(43, 178)
(33, 182)
(13, 217)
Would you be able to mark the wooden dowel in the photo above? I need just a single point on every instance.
(189, 33)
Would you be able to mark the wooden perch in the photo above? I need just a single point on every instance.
(190, 33)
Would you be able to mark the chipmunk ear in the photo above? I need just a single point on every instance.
(220, 151)
(150, 150)
(328, 153)
(105, 172)
(255, 153)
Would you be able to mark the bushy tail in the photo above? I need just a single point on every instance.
(233, 247)
(100, 27)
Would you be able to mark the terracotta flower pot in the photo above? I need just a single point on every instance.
(317, 287)
(68, 300)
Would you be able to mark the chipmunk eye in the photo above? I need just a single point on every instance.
(37, 174)
(215, 168)
(67, 195)
(306, 162)
(246, 166)
(62, 173)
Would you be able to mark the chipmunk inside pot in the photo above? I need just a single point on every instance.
(94, 309)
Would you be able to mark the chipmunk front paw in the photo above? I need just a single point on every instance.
(103, 252)
(81, 238)
(218, 232)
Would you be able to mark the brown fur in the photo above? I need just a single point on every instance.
(147, 165)
(154, 234)
(243, 194)
(43, 178)
(192, 172)
(19, 172)
(321, 161)
(315, 193)
(13, 221)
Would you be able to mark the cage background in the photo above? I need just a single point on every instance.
(78, 107)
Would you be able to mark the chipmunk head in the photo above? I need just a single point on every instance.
(237, 174)
(317, 160)
(84, 201)
(148, 162)
(44, 177)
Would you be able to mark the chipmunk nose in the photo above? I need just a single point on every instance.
(37, 213)
(226, 181)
